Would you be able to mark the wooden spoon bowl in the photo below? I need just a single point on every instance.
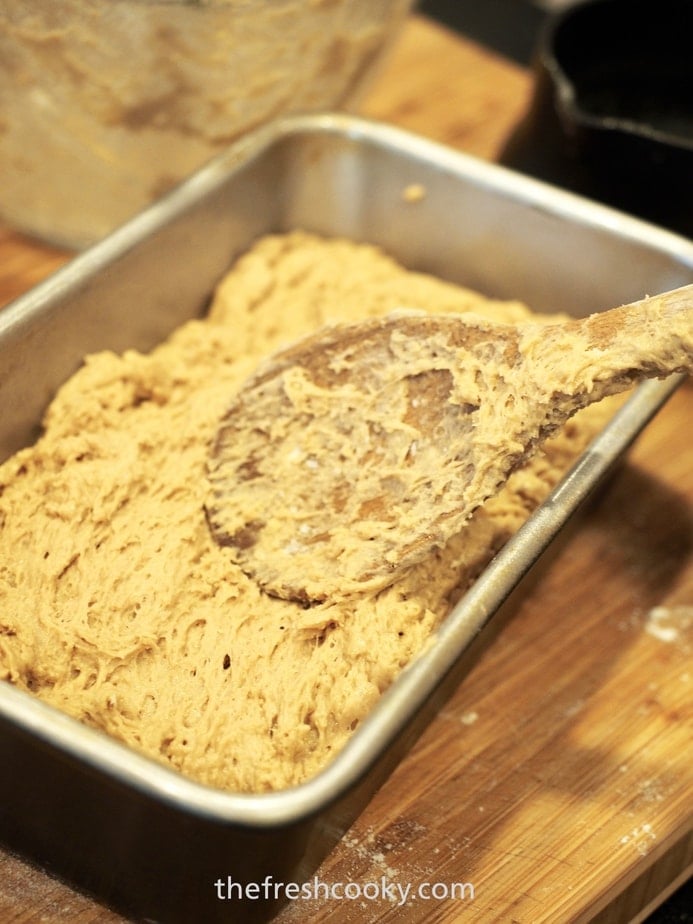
(355, 453)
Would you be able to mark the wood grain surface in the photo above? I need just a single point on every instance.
(557, 783)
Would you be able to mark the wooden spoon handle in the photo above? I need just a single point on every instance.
(588, 359)
(652, 333)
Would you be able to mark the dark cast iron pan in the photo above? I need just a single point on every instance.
(611, 115)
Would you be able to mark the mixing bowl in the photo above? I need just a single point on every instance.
(106, 104)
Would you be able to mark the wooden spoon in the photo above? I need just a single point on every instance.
(357, 452)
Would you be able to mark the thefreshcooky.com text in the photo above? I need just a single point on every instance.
(398, 893)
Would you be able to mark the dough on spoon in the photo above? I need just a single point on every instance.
(352, 455)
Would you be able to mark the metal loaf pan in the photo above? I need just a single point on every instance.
(116, 824)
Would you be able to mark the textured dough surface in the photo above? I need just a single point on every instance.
(117, 606)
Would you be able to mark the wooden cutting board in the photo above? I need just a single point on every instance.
(557, 784)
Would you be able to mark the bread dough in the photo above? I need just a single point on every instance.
(119, 608)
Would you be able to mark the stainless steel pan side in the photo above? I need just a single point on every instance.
(116, 823)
